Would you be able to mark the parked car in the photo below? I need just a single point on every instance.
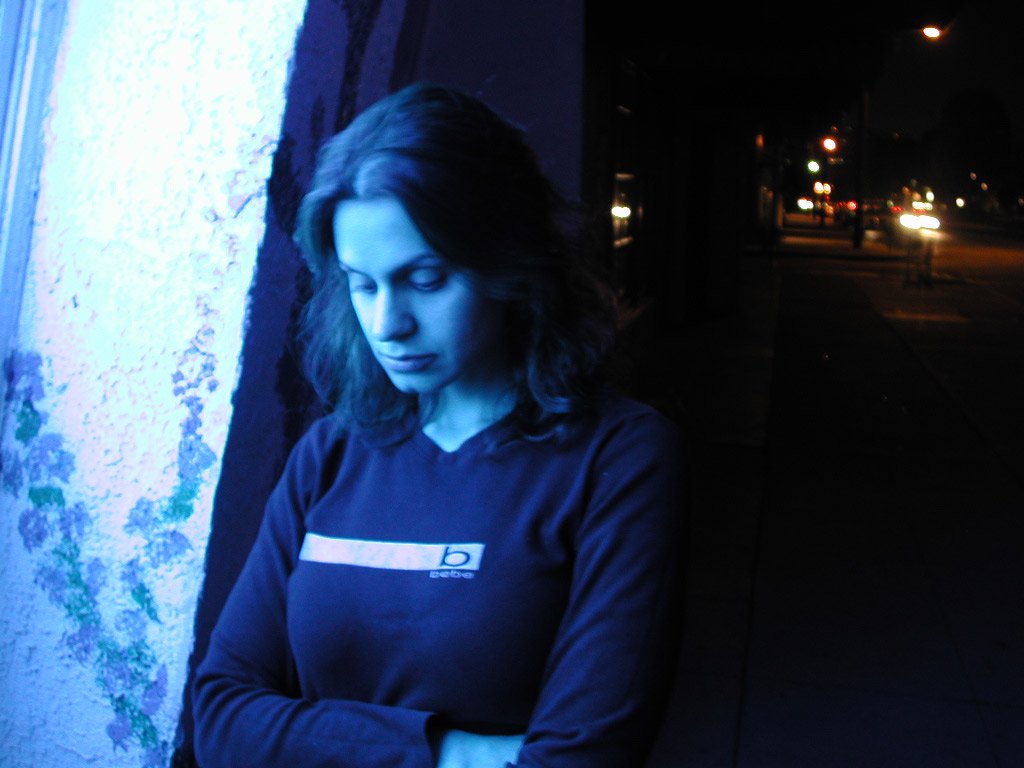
(878, 213)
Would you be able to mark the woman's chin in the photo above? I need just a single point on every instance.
(413, 385)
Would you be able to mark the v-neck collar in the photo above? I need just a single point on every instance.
(475, 445)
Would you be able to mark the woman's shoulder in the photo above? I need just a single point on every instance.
(636, 460)
(324, 436)
(322, 432)
(617, 424)
(615, 412)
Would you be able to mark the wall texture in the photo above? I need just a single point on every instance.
(162, 125)
(344, 59)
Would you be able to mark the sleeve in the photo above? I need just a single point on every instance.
(247, 708)
(609, 675)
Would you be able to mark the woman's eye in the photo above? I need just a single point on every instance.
(358, 285)
(427, 279)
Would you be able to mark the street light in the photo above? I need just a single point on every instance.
(931, 32)
(822, 189)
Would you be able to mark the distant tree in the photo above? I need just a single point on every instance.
(975, 136)
(894, 160)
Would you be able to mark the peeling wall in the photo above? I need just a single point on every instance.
(345, 57)
(158, 144)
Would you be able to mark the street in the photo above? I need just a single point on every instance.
(989, 256)
(964, 321)
(858, 510)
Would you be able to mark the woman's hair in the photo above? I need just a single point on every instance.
(474, 189)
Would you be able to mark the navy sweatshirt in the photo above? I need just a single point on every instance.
(396, 590)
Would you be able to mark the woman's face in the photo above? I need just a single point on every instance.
(428, 326)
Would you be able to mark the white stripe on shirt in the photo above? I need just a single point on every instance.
(392, 555)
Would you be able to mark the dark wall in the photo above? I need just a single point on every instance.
(525, 59)
(522, 58)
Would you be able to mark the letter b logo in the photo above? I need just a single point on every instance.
(454, 558)
(462, 556)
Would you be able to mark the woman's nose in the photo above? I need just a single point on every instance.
(391, 318)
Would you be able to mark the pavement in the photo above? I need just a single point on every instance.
(855, 587)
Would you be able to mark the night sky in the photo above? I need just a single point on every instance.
(983, 49)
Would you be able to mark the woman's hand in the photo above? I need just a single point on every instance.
(461, 749)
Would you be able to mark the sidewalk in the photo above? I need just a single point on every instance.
(855, 583)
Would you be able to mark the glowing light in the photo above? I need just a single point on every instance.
(813, 166)
(621, 211)
(804, 204)
(984, 187)
(829, 144)
(960, 202)
(919, 221)
(932, 33)
(819, 187)
(929, 196)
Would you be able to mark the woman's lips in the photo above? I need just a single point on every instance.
(406, 363)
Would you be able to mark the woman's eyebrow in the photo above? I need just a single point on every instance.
(424, 259)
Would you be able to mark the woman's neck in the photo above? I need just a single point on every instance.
(458, 415)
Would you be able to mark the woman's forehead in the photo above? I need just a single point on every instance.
(377, 235)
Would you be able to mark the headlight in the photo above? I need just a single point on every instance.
(919, 221)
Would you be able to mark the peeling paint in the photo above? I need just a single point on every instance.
(126, 669)
(150, 207)
(29, 422)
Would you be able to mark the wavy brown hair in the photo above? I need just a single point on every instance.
(474, 188)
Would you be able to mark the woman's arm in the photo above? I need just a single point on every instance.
(241, 723)
(246, 697)
(610, 670)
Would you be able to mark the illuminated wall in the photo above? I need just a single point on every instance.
(162, 125)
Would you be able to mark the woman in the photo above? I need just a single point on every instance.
(473, 560)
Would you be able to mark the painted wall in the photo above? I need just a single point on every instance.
(163, 122)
